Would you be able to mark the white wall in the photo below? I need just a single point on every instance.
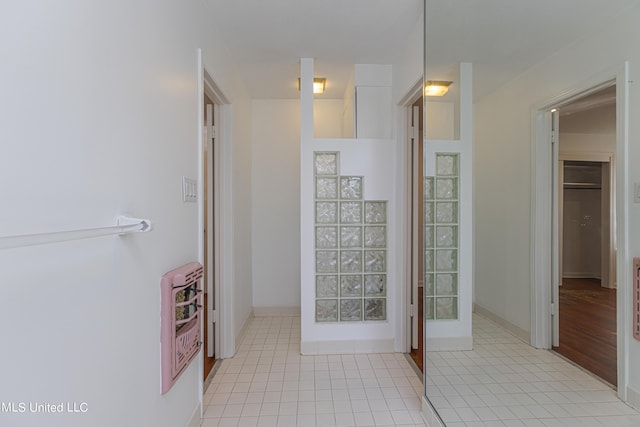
(276, 203)
(327, 118)
(275, 129)
(503, 168)
(99, 108)
(242, 208)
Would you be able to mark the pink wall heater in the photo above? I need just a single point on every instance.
(180, 320)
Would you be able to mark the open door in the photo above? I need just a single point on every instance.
(416, 307)
(210, 230)
(556, 278)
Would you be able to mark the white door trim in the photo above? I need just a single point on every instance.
(222, 167)
(403, 343)
(541, 223)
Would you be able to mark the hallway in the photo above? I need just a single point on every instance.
(268, 383)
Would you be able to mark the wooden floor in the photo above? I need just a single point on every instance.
(588, 326)
(208, 361)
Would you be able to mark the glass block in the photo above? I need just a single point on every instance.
(351, 261)
(447, 260)
(428, 285)
(428, 213)
(351, 187)
(351, 212)
(428, 261)
(446, 284)
(327, 310)
(351, 286)
(447, 212)
(326, 286)
(428, 309)
(326, 237)
(350, 310)
(447, 236)
(326, 261)
(446, 308)
(326, 188)
(447, 188)
(327, 212)
(375, 212)
(375, 285)
(428, 237)
(325, 163)
(375, 237)
(375, 309)
(375, 261)
(446, 164)
(428, 188)
(350, 237)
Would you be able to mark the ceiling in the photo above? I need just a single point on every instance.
(502, 38)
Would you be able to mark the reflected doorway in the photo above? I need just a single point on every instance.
(416, 179)
(586, 296)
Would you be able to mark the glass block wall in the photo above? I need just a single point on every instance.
(441, 197)
(350, 246)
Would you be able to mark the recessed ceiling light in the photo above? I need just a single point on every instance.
(319, 84)
(436, 88)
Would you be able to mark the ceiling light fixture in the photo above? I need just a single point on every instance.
(436, 88)
(319, 84)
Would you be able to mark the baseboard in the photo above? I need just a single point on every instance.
(579, 275)
(515, 330)
(196, 417)
(276, 311)
(346, 347)
(241, 333)
(430, 415)
(449, 344)
(633, 398)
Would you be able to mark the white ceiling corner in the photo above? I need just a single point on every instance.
(502, 38)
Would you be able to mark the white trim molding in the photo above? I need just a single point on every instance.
(196, 417)
(225, 292)
(515, 330)
(430, 415)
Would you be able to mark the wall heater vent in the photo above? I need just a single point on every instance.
(180, 320)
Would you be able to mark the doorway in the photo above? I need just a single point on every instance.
(214, 209)
(416, 238)
(585, 295)
(209, 234)
(544, 197)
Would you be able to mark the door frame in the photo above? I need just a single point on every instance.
(223, 291)
(405, 195)
(542, 208)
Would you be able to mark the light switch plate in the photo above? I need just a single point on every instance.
(189, 190)
(636, 192)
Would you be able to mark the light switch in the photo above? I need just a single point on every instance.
(636, 192)
(189, 190)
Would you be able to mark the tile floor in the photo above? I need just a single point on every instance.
(502, 382)
(505, 382)
(268, 383)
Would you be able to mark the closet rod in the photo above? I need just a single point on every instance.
(124, 225)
